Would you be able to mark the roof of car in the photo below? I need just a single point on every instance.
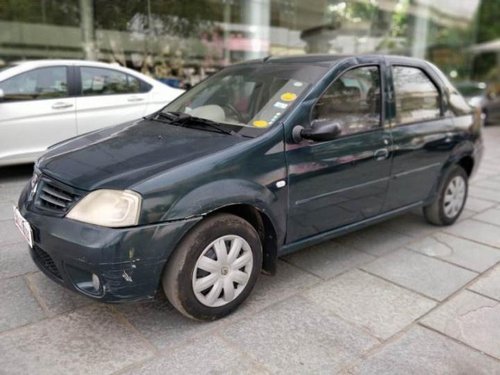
(330, 60)
(48, 62)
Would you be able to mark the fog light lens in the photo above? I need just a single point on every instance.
(96, 283)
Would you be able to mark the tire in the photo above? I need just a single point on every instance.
(449, 203)
(197, 257)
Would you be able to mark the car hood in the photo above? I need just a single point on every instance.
(122, 156)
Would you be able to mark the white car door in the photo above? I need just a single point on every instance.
(108, 97)
(35, 112)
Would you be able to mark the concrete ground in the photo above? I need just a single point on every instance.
(396, 298)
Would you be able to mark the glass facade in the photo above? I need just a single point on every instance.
(181, 42)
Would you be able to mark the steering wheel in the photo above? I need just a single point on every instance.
(233, 112)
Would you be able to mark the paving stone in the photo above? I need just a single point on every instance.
(328, 259)
(478, 205)
(470, 318)
(206, 355)
(369, 302)
(287, 281)
(375, 240)
(483, 193)
(489, 184)
(465, 253)
(489, 284)
(87, 341)
(18, 306)
(431, 277)
(165, 327)
(296, 336)
(15, 260)
(421, 351)
(485, 233)
(9, 234)
(160, 323)
(465, 214)
(410, 225)
(53, 297)
(491, 216)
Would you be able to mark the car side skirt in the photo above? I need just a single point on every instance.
(306, 242)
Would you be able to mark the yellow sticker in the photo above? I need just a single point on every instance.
(288, 97)
(260, 123)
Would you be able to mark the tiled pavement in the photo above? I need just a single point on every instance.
(400, 297)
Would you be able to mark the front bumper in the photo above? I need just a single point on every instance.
(128, 261)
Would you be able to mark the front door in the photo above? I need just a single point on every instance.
(338, 182)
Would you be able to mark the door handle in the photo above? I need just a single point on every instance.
(381, 154)
(61, 105)
(135, 99)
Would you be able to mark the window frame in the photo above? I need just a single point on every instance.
(68, 84)
(381, 124)
(432, 79)
(144, 87)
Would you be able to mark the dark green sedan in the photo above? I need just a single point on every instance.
(260, 160)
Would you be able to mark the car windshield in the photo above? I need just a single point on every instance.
(253, 95)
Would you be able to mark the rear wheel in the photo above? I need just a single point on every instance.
(214, 268)
(451, 198)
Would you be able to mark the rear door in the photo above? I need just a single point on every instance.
(342, 181)
(422, 135)
(36, 112)
(109, 97)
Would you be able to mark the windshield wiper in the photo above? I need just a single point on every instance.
(170, 116)
(185, 119)
(188, 120)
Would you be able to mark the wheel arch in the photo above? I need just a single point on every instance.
(264, 226)
(463, 158)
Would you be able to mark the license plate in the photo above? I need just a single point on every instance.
(23, 226)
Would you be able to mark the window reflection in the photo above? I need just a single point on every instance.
(182, 42)
(43, 83)
(353, 101)
(417, 99)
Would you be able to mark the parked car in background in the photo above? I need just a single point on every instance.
(259, 160)
(47, 101)
(484, 97)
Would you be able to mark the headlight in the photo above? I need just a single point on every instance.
(109, 208)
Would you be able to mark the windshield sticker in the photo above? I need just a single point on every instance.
(288, 97)
(260, 124)
(280, 105)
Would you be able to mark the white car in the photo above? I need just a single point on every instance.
(44, 102)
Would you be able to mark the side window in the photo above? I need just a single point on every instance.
(100, 81)
(37, 84)
(416, 96)
(353, 100)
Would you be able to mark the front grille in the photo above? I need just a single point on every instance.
(46, 261)
(55, 197)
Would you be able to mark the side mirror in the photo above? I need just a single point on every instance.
(319, 131)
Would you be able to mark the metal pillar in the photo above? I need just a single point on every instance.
(257, 17)
(87, 28)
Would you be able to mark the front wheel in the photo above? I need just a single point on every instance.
(451, 198)
(214, 268)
